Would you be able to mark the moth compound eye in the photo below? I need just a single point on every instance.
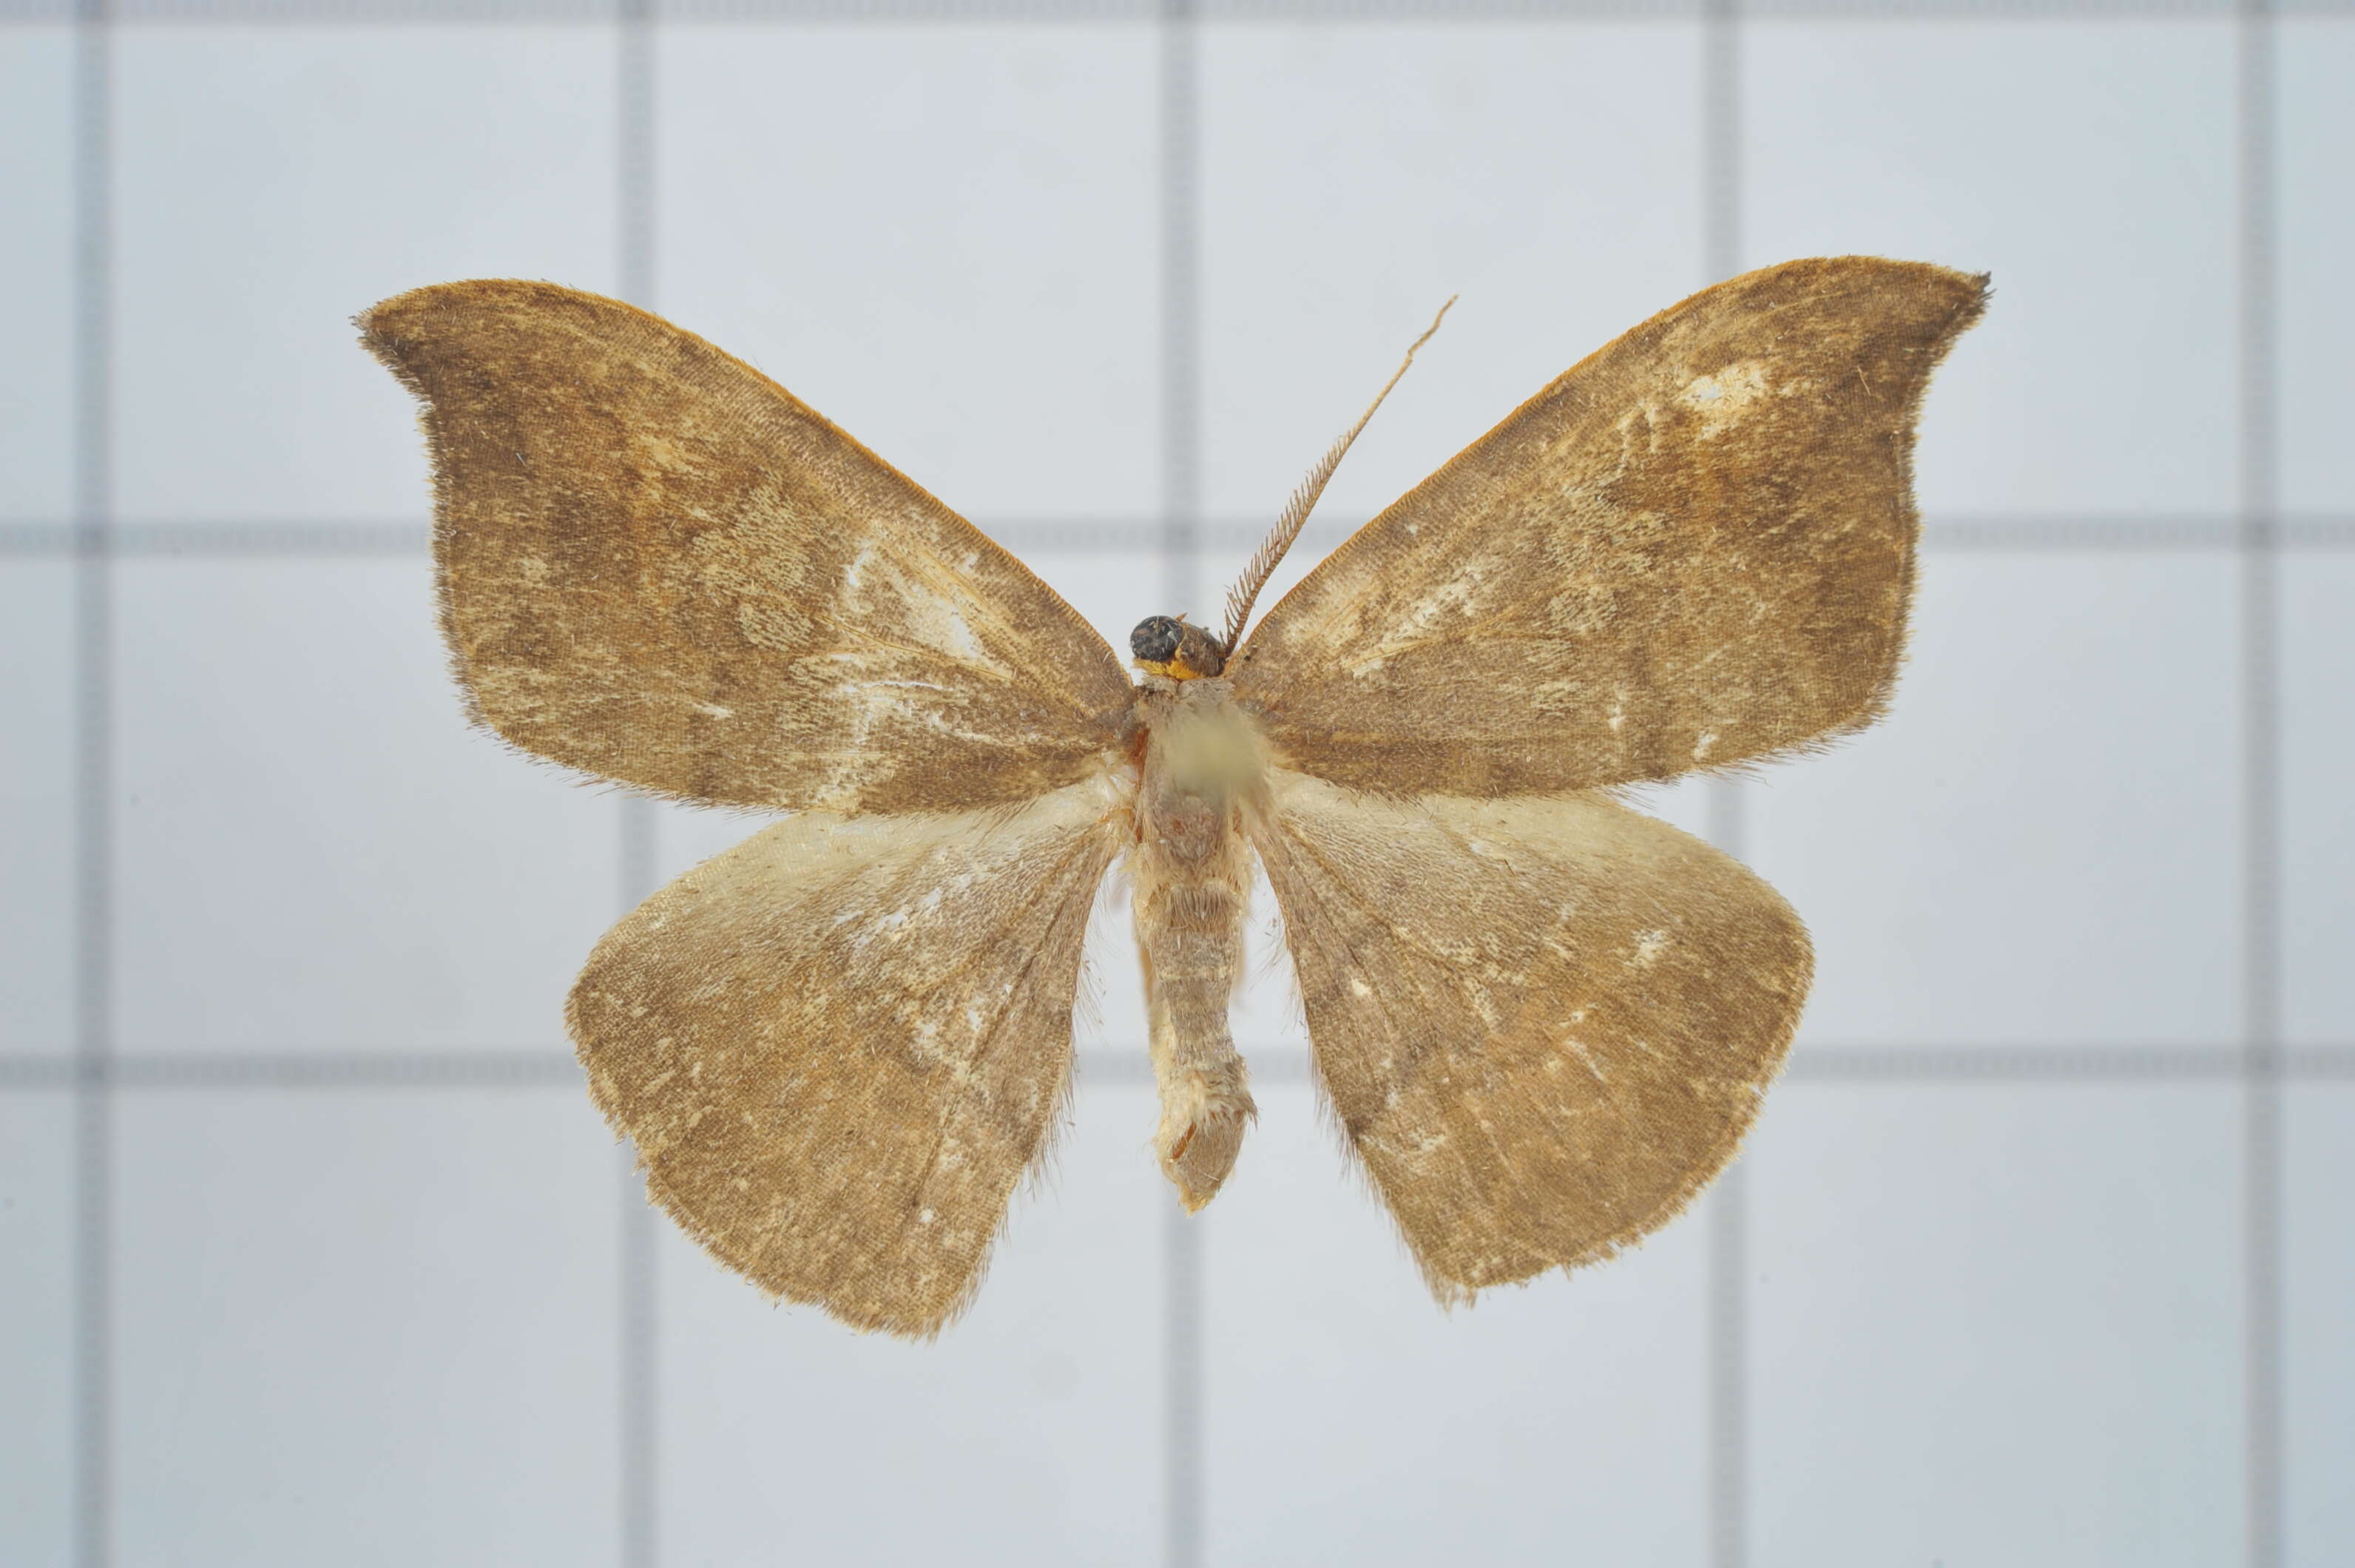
(1175, 648)
(1155, 641)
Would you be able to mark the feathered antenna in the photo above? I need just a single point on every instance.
(1240, 597)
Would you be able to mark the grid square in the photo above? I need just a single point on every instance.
(36, 805)
(315, 852)
(2041, 844)
(37, 1327)
(2319, 1358)
(1028, 1432)
(1355, 178)
(1349, 1419)
(2315, 318)
(1996, 1324)
(2317, 759)
(973, 294)
(1112, 588)
(372, 1326)
(274, 181)
(1199, 587)
(2089, 166)
(687, 836)
(36, 291)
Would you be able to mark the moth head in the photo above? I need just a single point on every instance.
(1175, 648)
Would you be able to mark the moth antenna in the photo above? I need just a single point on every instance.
(1294, 517)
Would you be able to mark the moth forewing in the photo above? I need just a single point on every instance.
(1694, 548)
(659, 566)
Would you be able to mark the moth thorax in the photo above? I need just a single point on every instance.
(1175, 648)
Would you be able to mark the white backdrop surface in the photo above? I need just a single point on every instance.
(312, 1249)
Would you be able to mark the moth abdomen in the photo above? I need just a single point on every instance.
(1190, 885)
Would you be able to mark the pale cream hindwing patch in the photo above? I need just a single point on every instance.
(659, 566)
(839, 1045)
(1544, 1024)
(1694, 548)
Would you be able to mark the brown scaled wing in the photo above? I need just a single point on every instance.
(1694, 547)
(1545, 1021)
(1544, 1024)
(657, 565)
(839, 1046)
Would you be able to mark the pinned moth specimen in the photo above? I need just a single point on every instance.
(1543, 1021)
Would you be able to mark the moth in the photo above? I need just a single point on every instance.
(1541, 1018)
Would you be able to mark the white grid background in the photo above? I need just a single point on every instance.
(313, 1252)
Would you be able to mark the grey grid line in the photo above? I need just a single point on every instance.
(1727, 1374)
(211, 1070)
(2014, 1064)
(2022, 1066)
(1728, 1369)
(93, 851)
(635, 149)
(1118, 1064)
(225, 540)
(2261, 978)
(493, 13)
(2155, 532)
(1177, 110)
(639, 1384)
(1991, 10)
(381, 540)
